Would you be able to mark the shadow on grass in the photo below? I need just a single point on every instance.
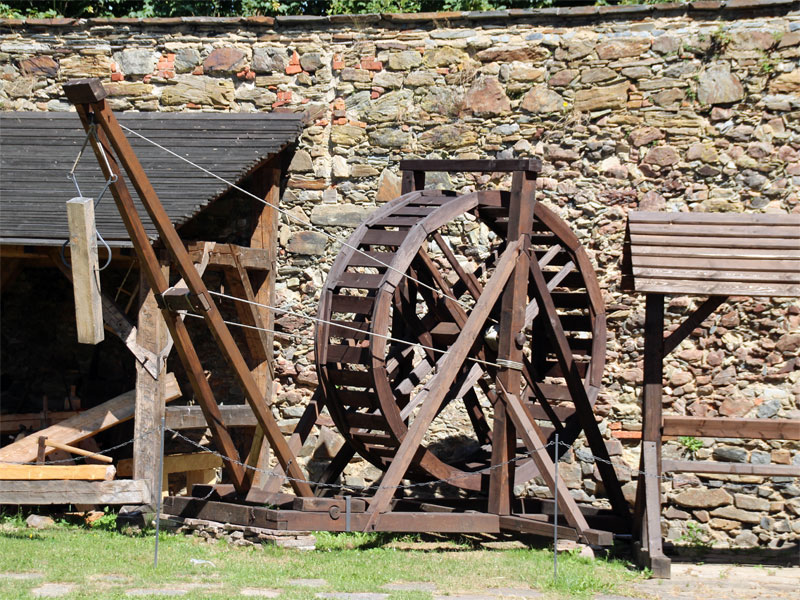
(429, 542)
(22, 535)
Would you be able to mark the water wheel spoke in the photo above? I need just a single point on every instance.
(469, 280)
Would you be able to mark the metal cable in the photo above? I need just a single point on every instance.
(326, 322)
(288, 214)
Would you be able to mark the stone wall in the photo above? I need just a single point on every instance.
(673, 107)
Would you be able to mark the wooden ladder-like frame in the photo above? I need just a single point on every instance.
(88, 96)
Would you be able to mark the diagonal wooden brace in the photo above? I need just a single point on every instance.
(578, 393)
(111, 134)
(535, 442)
(438, 387)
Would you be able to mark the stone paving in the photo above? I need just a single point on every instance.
(724, 582)
(52, 590)
(688, 582)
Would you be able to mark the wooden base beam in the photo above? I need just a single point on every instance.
(122, 491)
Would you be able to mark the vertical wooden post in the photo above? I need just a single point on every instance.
(512, 321)
(648, 492)
(85, 270)
(265, 236)
(152, 335)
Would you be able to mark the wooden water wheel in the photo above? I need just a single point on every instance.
(399, 294)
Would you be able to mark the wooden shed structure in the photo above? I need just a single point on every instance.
(716, 256)
(223, 229)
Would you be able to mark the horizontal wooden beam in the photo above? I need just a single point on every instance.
(757, 429)
(220, 256)
(11, 423)
(233, 415)
(473, 166)
(539, 525)
(691, 466)
(119, 256)
(177, 463)
(122, 491)
(191, 417)
(50, 472)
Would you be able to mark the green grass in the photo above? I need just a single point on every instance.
(104, 564)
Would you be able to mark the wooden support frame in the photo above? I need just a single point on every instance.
(709, 255)
(344, 344)
(91, 107)
(151, 334)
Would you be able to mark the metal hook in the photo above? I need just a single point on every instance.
(99, 237)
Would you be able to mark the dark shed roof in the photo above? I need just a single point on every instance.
(37, 151)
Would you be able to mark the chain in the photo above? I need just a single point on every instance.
(178, 435)
(355, 488)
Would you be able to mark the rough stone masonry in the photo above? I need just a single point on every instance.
(672, 107)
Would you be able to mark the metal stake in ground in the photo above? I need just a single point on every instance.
(555, 515)
(160, 491)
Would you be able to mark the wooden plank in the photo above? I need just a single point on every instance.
(722, 274)
(716, 288)
(700, 314)
(351, 304)
(680, 230)
(530, 524)
(760, 429)
(85, 270)
(122, 491)
(723, 261)
(644, 252)
(381, 237)
(512, 322)
(712, 218)
(50, 472)
(222, 255)
(646, 518)
(83, 425)
(651, 481)
(733, 243)
(702, 466)
(357, 505)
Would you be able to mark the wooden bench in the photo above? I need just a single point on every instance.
(705, 254)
